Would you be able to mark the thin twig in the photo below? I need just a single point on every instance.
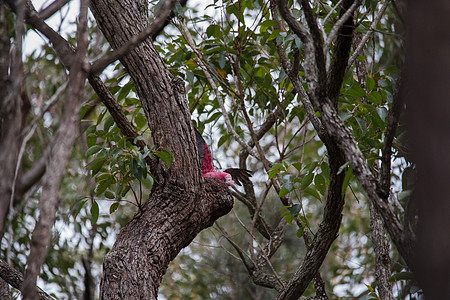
(368, 33)
(202, 64)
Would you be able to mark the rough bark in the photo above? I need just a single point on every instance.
(15, 279)
(5, 293)
(334, 199)
(181, 203)
(426, 93)
(381, 248)
(170, 220)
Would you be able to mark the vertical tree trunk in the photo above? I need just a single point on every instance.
(181, 203)
(12, 109)
(427, 95)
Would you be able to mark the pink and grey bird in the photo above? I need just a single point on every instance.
(229, 176)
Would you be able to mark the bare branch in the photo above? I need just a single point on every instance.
(52, 8)
(341, 52)
(66, 53)
(393, 118)
(366, 37)
(337, 27)
(295, 79)
(15, 279)
(168, 19)
(345, 141)
(61, 150)
(317, 46)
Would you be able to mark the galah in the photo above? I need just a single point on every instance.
(230, 176)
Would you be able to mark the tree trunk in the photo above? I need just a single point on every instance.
(427, 94)
(181, 203)
(12, 109)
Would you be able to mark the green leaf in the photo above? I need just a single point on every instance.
(313, 192)
(76, 208)
(276, 168)
(283, 192)
(113, 207)
(114, 89)
(382, 112)
(108, 123)
(370, 83)
(355, 91)
(166, 157)
(96, 164)
(275, 34)
(222, 60)
(213, 31)
(319, 182)
(92, 150)
(125, 191)
(266, 24)
(345, 115)
(94, 212)
(300, 232)
(125, 90)
(287, 181)
(375, 98)
(136, 170)
(298, 166)
(362, 126)
(312, 166)
(306, 181)
(401, 276)
(101, 187)
(109, 195)
(140, 121)
(115, 154)
(347, 178)
(295, 209)
(369, 287)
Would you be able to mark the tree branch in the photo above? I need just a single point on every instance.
(318, 47)
(345, 141)
(59, 155)
(309, 67)
(66, 53)
(393, 118)
(382, 259)
(366, 37)
(202, 64)
(155, 27)
(15, 279)
(52, 8)
(338, 26)
(341, 51)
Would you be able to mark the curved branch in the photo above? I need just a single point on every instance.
(345, 141)
(15, 279)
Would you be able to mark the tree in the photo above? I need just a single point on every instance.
(306, 94)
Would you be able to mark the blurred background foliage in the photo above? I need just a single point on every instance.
(107, 180)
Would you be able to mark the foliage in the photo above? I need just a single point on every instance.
(238, 44)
